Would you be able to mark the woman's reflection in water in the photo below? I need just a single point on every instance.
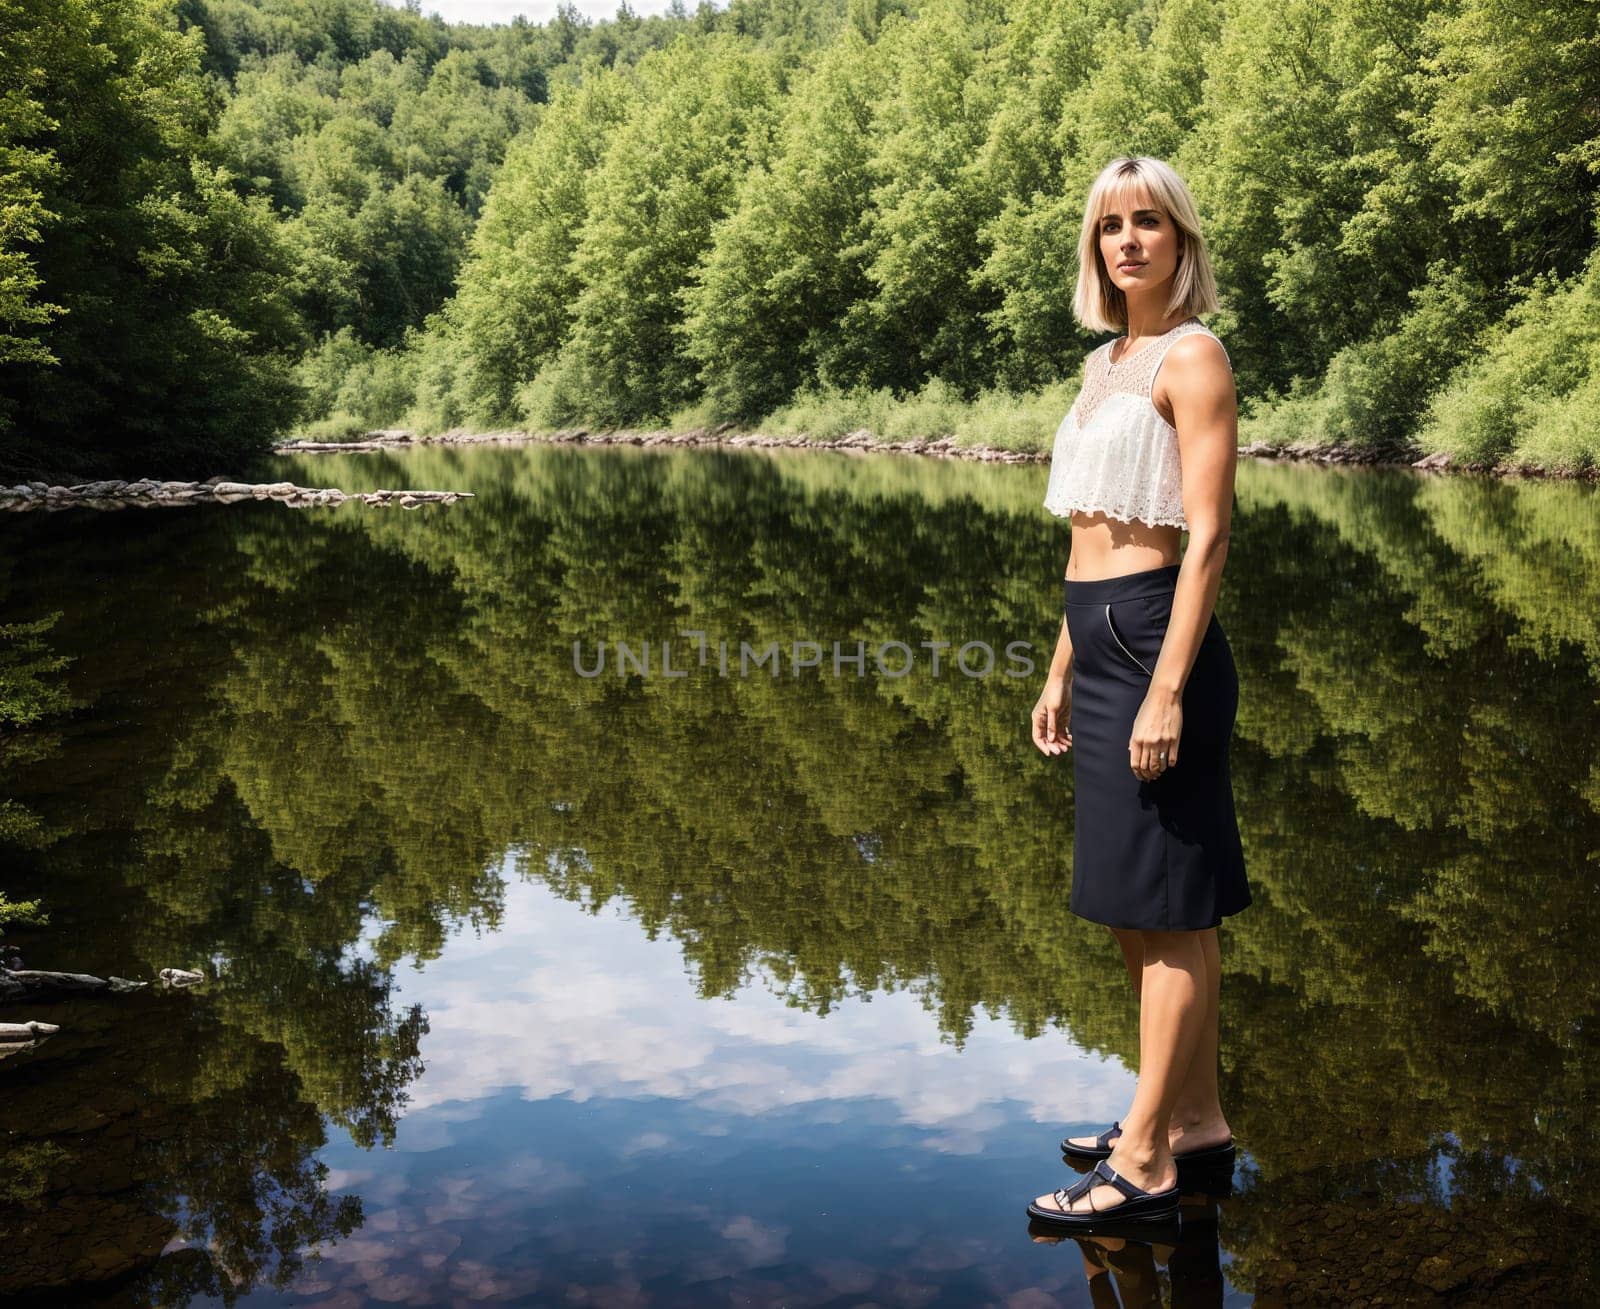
(1123, 1265)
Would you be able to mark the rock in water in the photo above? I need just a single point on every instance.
(26, 1031)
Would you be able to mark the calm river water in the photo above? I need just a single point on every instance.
(527, 987)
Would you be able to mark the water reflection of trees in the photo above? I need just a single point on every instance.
(381, 706)
(139, 1145)
(185, 1120)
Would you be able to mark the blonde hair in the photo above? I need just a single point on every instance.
(1098, 303)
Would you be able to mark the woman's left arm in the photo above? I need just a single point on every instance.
(1198, 386)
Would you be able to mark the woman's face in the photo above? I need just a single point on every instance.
(1139, 244)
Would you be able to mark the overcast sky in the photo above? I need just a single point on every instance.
(535, 11)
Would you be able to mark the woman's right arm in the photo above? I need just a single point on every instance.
(1061, 661)
(1052, 712)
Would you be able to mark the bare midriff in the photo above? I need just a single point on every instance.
(1109, 547)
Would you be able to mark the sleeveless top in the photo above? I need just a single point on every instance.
(1114, 452)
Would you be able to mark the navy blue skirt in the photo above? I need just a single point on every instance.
(1162, 855)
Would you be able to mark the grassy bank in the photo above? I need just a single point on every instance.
(1474, 428)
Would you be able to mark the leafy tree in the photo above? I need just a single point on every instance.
(788, 262)
(704, 113)
(175, 338)
(514, 304)
(930, 200)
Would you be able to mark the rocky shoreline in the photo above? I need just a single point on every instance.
(148, 493)
(862, 441)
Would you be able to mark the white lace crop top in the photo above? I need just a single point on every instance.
(1114, 452)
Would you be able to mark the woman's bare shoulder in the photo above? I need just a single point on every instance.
(1199, 348)
(1196, 361)
(1197, 368)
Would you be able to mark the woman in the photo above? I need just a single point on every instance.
(1142, 688)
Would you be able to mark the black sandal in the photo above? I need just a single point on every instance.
(1101, 1149)
(1139, 1206)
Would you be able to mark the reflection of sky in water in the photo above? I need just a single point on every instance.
(586, 1126)
(562, 1002)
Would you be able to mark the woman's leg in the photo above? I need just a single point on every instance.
(1172, 1011)
(1197, 1118)
(1132, 943)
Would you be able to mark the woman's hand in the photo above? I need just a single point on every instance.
(1155, 732)
(1051, 716)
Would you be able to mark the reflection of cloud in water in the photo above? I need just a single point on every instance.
(643, 1143)
(750, 1243)
(562, 1002)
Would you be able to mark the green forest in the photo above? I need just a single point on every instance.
(223, 222)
